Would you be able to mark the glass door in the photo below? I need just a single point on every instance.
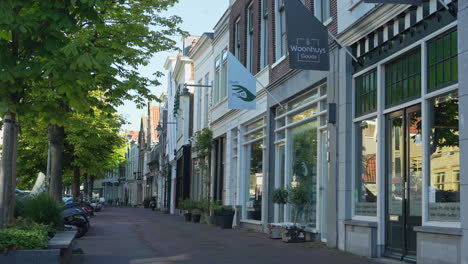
(404, 182)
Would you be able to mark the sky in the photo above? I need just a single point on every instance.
(198, 16)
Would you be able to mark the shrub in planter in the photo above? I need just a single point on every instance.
(227, 217)
(298, 197)
(196, 212)
(14, 238)
(187, 206)
(280, 196)
(217, 212)
(41, 209)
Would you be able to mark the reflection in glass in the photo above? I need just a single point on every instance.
(415, 163)
(444, 189)
(395, 170)
(303, 153)
(254, 205)
(281, 174)
(366, 181)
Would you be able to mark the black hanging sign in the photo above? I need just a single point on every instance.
(400, 2)
(307, 38)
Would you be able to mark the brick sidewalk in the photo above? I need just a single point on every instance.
(141, 236)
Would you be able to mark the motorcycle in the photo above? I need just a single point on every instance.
(75, 215)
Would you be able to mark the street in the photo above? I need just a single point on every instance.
(141, 236)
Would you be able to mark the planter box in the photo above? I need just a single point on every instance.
(45, 256)
(59, 252)
(275, 231)
(293, 235)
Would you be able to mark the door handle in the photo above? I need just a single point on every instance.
(406, 190)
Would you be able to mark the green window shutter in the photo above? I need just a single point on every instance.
(442, 61)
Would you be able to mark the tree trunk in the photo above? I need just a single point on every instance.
(91, 186)
(56, 138)
(8, 169)
(76, 183)
(85, 186)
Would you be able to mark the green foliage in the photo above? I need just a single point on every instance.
(205, 205)
(298, 195)
(14, 238)
(187, 204)
(204, 140)
(217, 208)
(41, 209)
(280, 196)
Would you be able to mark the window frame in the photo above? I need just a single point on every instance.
(250, 37)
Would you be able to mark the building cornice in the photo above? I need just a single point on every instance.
(375, 18)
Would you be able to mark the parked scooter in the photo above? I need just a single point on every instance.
(153, 204)
(75, 217)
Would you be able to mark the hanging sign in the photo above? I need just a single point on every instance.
(242, 85)
(400, 2)
(307, 38)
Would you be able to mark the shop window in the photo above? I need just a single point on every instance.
(443, 61)
(403, 79)
(216, 80)
(264, 35)
(254, 161)
(365, 193)
(224, 70)
(281, 30)
(366, 93)
(250, 31)
(444, 189)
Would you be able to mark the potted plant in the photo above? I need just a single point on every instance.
(205, 210)
(217, 213)
(186, 206)
(280, 197)
(227, 216)
(196, 212)
(298, 198)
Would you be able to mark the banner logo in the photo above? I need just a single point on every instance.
(243, 93)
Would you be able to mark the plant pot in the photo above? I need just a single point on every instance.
(218, 220)
(211, 220)
(227, 218)
(188, 217)
(293, 234)
(196, 218)
(275, 231)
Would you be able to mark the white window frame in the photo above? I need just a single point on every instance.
(286, 128)
(280, 30)
(237, 37)
(264, 35)
(250, 37)
(245, 169)
(322, 10)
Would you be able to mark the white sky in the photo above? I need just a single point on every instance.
(198, 16)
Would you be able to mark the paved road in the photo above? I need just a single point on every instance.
(141, 236)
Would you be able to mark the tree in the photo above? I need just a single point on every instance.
(55, 53)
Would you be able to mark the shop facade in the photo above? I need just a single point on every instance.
(399, 127)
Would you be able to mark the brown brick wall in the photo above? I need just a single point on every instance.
(239, 10)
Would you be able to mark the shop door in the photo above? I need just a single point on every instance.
(404, 182)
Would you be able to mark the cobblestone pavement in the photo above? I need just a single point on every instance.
(141, 236)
